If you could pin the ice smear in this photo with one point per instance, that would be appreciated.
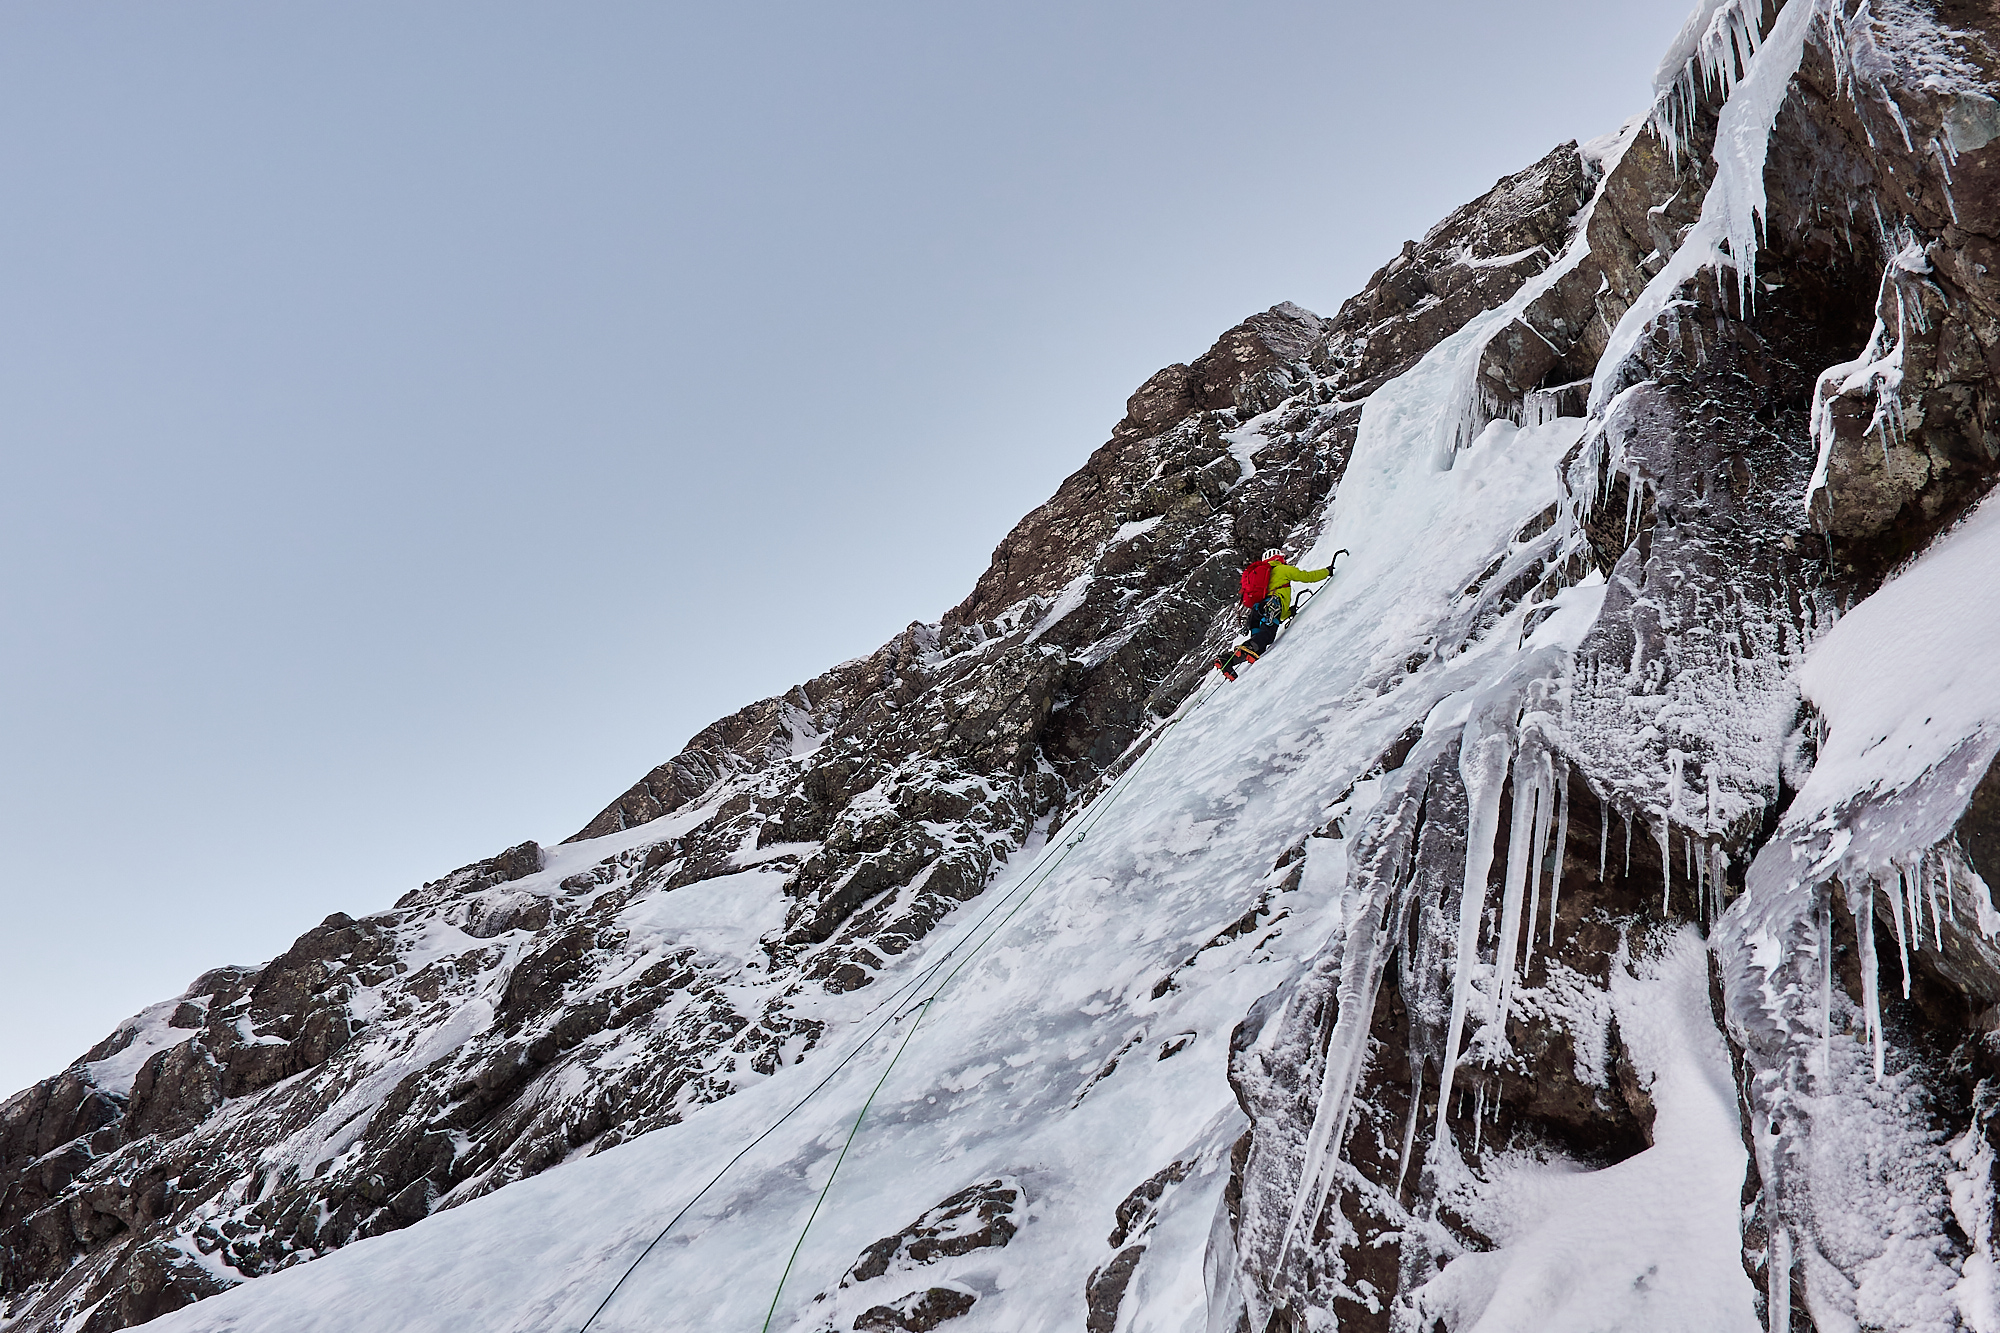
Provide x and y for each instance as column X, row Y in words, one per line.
column 1167, row 1293
column 1880, row 45
column 1876, row 816
column 1877, row 372
column 1246, row 441
column 1650, row 1242
column 1603, row 152
column 1970, row 1181
column 1069, row 600
column 1896, row 767
column 151, row 1033
column 1869, row 1258
column 725, row 915
column 1714, row 47
column 1139, row 528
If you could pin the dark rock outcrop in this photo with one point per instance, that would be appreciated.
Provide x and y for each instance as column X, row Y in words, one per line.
column 918, row 1312
column 975, row 1218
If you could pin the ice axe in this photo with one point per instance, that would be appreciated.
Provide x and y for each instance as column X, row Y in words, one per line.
column 1309, row 594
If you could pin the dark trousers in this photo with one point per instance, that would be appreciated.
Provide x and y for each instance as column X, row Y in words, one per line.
column 1263, row 631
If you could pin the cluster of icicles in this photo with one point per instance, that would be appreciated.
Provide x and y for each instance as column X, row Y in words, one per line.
column 1877, row 372
column 1720, row 40
column 1714, row 50
column 1540, row 809
column 1596, row 470
column 1914, row 892
column 1865, row 73
column 1506, row 733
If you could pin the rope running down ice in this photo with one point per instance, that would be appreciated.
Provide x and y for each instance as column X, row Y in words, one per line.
column 1094, row 816
column 894, row 1010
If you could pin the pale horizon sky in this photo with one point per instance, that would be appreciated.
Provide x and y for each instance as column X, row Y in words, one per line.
column 417, row 420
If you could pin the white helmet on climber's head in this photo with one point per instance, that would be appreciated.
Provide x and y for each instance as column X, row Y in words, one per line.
column 1277, row 553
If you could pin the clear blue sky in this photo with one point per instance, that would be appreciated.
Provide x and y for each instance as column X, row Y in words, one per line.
column 411, row 414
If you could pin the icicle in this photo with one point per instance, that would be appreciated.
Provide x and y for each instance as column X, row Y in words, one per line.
column 1779, row 1300
column 1628, row 844
column 1544, row 817
column 1478, row 1118
column 1410, row 1129
column 1532, row 895
column 1945, row 167
column 1930, row 892
column 1603, row 836
column 1913, row 898
column 1520, row 839
column 1698, row 872
column 1896, row 915
column 1562, row 842
column 1826, row 987
column 1364, row 955
column 1482, row 765
column 1666, row 864
column 1896, row 114
column 1541, row 826
column 1871, row 990
column 1718, row 874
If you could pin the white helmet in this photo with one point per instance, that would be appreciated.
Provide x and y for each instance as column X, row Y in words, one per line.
column 1276, row 553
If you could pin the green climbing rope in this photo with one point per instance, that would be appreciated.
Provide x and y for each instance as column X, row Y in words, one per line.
column 1094, row 816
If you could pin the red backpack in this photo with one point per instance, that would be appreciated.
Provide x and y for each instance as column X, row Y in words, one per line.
column 1257, row 582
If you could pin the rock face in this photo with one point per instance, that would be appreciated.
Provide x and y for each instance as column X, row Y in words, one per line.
column 979, row 1217
column 1553, row 872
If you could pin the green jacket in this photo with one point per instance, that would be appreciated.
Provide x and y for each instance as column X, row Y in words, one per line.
column 1283, row 576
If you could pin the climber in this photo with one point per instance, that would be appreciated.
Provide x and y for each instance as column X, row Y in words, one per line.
column 1267, row 592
